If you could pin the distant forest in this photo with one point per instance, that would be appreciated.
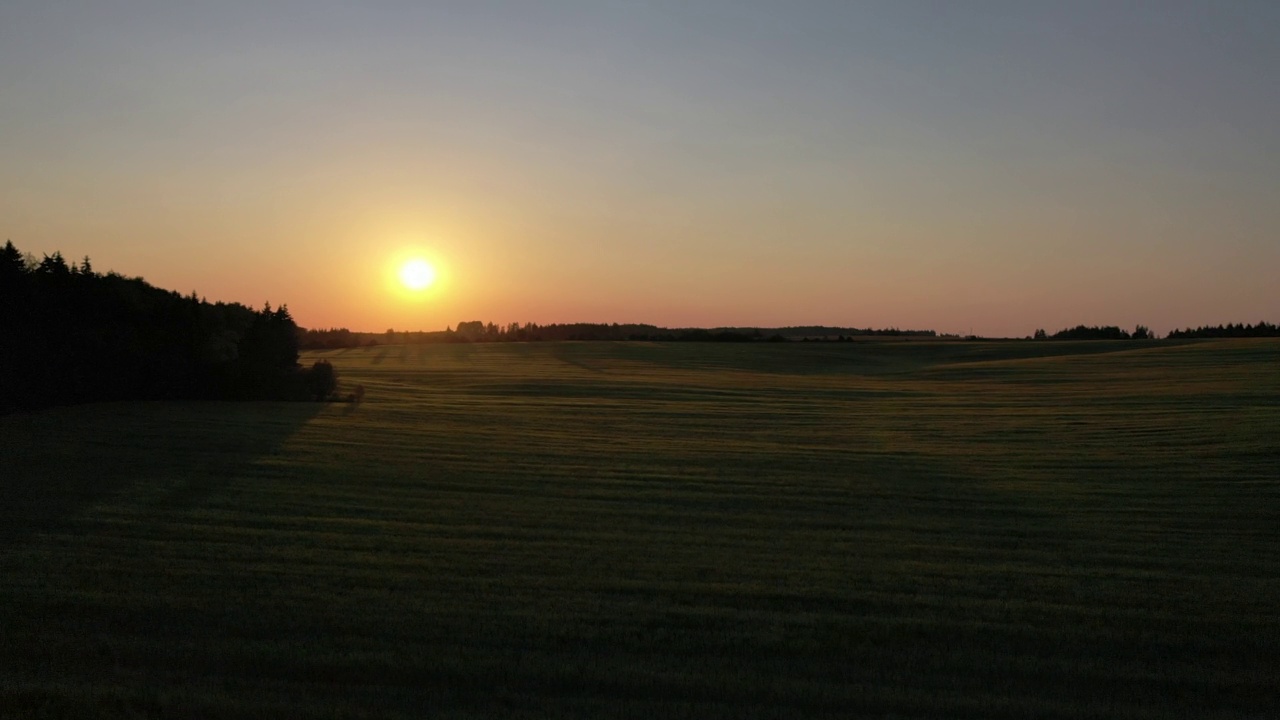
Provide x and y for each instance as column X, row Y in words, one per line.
column 1105, row 332
column 70, row 334
column 475, row 331
column 1262, row 329
column 1111, row 332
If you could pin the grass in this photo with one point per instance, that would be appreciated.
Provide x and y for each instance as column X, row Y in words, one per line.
column 981, row 530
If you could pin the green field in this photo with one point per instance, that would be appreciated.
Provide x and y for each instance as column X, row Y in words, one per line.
column 906, row 530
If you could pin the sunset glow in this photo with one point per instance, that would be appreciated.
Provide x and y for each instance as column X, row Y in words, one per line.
column 415, row 290
column 940, row 166
column 417, row 275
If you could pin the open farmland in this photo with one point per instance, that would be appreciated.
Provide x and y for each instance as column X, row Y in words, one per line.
column 982, row 530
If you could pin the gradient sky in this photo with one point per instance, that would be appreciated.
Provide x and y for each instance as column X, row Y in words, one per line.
column 985, row 166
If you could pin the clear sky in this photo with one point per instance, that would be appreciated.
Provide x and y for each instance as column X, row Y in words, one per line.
column 985, row 166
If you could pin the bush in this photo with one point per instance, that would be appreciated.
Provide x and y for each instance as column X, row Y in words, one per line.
column 321, row 380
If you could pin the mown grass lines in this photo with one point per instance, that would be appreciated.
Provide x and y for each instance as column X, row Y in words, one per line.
column 906, row 529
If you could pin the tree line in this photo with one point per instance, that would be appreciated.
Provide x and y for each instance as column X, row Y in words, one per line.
column 1142, row 332
column 71, row 334
column 1237, row 330
column 1093, row 332
column 476, row 331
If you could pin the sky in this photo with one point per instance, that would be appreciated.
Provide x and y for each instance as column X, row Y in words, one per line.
column 985, row 166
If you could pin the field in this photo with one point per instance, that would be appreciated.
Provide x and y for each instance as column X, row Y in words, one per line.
column 906, row 530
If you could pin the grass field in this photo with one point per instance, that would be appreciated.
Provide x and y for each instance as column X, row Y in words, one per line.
column 906, row 530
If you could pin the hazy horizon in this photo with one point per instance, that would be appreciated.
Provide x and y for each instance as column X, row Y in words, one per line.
column 991, row 167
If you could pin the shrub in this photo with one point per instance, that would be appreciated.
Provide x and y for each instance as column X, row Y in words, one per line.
column 322, row 380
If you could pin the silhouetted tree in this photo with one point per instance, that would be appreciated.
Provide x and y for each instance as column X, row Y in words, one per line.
column 1142, row 332
column 469, row 330
column 268, row 354
column 322, row 380
column 53, row 265
column 12, row 265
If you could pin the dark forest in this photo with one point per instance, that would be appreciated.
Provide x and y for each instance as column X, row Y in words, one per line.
column 73, row 335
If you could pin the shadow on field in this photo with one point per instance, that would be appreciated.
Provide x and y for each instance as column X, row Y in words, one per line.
column 572, row 354
column 57, row 463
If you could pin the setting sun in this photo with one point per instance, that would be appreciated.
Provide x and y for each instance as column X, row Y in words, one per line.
column 417, row 274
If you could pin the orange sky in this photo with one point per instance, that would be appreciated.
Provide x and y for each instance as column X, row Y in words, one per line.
column 739, row 163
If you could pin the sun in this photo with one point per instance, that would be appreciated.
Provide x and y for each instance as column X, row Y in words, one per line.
column 417, row 274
